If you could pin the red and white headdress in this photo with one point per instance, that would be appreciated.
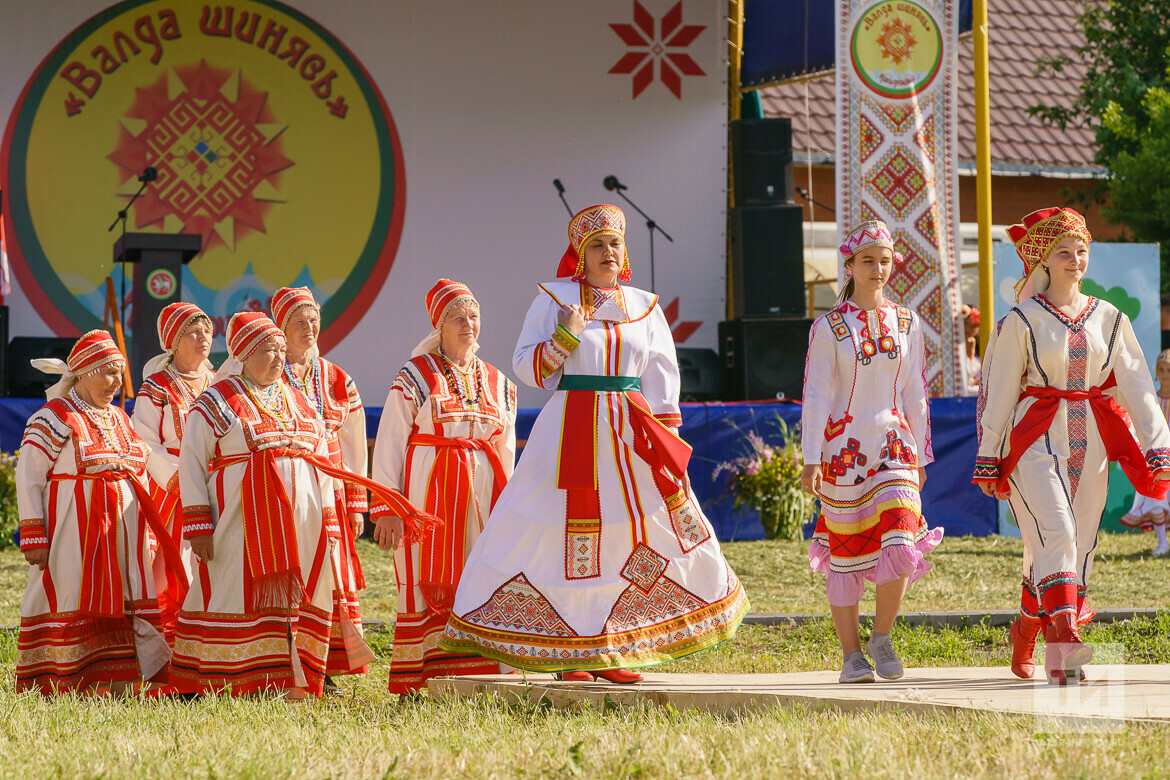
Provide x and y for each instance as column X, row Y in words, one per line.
column 440, row 298
column 247, row 330
column 173, row 321
column 286, row 300
column 92, row 351
column 867, row 234
column 1038, row 233
column 585, row 224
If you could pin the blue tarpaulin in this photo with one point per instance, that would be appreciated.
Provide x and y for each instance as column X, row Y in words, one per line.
column 717, row 431
column 787, row 39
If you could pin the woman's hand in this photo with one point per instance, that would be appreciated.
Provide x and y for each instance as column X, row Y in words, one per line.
column 203, row 548
column 357, row 523
column 38, row 557
column 989, row 490
column 1162, row 476
column 388, row 532
column 921, row 478
column 572, row 317
column 810, row 479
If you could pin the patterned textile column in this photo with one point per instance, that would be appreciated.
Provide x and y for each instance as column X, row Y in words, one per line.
column 896, row 158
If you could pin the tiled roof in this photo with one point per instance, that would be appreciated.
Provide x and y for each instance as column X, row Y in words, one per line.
column 1021, row 30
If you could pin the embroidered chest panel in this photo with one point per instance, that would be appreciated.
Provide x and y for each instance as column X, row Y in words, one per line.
column 476, row 400
column 172, row 395
column 881, row 332
column 101, row 441
column 261, row 428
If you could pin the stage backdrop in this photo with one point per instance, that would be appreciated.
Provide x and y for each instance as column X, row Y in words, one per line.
column 896, row 158
column 1126, row 275
column 362, row 150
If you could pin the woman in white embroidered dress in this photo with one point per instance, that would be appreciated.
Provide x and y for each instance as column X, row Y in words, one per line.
column 172, row 382
column 865, row 436
column 90, row 615
column 334, row 396
column 597, row 557
column 447, row 439
column 1046, row 439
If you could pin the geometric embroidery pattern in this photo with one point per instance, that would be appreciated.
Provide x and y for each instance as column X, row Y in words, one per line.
column 643, row 568
column 1077, row 411
column 870, row 138
column 837, row 323
column 665, row 600
column 688, row 526
column 900, row 179
column 518, row 606
column 847, row 458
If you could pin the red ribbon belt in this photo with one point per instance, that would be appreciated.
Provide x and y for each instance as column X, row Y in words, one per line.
column 1120, row 445
column 449, row 496
column 661, row 448
column 270, row 538
column 101, row 599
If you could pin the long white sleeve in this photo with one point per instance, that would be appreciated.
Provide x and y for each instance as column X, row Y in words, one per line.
column 661, row 382
column 195, row 455
column 148, row 423
column 1002, row 369
column 389, row 463
column 915, row 399
column 820, row 378
column 541, row 348
column 1135, row 392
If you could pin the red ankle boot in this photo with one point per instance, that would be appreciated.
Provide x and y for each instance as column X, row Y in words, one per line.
column 1066, row 652
column 1023, row 635
column 575, row 676
column 620, row 676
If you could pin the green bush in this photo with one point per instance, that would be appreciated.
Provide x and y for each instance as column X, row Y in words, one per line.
column 767, row 479
column 9, row 514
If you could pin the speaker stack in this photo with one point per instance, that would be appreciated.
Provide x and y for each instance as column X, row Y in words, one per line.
column 764, row 345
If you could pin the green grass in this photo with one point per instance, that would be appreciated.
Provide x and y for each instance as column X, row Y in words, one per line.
column 368, row 733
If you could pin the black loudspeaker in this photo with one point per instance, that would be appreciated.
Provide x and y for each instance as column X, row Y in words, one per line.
column 764, row 358
column 3, row 350
column 761, row 161
column 24, row 381
column 767, row 262
column 703, row 376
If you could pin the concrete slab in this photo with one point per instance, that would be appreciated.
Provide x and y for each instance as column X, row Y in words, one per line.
column 1113, row 694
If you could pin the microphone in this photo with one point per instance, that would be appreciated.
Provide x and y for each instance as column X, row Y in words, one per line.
column 612, row 183
column 560, row 187
column 149, row 174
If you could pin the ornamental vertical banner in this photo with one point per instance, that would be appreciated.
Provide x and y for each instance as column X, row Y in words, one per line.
column 896, row 159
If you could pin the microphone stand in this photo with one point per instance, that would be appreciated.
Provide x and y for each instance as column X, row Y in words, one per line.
column 651, row 226
column 561, row 195
column 122, row 216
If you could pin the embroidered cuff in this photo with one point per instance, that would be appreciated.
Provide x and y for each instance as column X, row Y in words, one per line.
column 1158, row 459
column 670, row 420
column 197, row 521
column 356, row 499
column 565, row 339
column 986, row 470
column 381, row 509
column 32, row 534
column 329, row 518
column 555, row 351
column 173, row 483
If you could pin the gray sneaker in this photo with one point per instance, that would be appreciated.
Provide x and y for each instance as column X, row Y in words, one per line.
column 856, row 669
column 881, row 649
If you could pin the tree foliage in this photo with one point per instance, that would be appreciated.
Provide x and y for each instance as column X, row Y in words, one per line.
column 1123, row 97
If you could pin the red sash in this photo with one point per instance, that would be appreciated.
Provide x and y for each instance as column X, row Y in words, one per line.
column 1119, row 443
column 448, row 497
column 270, row 537
column 101, row 607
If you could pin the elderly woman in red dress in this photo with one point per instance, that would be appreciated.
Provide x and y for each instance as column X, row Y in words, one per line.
column 91, row 614
column 172, row 382
column 334, row 397
column 447, row 438
column 260, row 511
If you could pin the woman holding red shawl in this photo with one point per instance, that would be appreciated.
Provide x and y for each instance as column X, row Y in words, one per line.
column 597, row 558
column 259, row 509
column 91, row 614
column 448, row 438
column 1062, row 370
column 172, row 382
column 334, row 397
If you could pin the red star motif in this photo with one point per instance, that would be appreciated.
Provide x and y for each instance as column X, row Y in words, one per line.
column 649, row 48
column 681, row 330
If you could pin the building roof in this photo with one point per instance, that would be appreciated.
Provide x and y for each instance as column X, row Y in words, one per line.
column 1021, row 31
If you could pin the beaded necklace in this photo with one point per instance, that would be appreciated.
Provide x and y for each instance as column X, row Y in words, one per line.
column 103, row 420
column 186, row 383
column 310, row 386
column 273, row 402
column 463, row 382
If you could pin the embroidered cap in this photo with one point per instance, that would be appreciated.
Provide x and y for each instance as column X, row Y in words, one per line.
column 585, row 224
column 286, row 300
column 1035, row 237
column 173, row 320
column 443, row 295
column 867, row 234
column 1163, row 357
column 247, row 330
column 92, row 351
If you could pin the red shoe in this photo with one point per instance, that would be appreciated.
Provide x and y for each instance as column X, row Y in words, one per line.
column 1023, row 635
column 1066, row 652
column 577, row 676
column 619, row 676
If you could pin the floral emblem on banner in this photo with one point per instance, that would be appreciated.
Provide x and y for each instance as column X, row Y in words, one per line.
column 661, row 46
